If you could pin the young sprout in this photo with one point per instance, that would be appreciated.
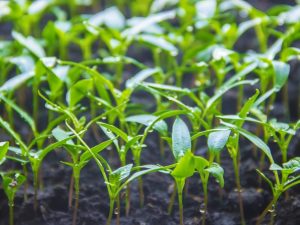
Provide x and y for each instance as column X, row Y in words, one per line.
column 288, row 180
column 11, row 182
column 188, row 163
column 282, row 134
column 181, row 148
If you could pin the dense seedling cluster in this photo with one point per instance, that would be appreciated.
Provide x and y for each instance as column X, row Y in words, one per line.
column 100, row 83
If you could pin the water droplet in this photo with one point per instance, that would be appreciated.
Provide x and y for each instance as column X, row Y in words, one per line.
column 116, row 211
column 108, row 130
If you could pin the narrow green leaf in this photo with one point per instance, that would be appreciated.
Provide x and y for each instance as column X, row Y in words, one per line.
column 30, row 43
column 3, row 150
column 111, row 128
column 254, row 139
column 145, row 119
column 96, row 149
column 181, row 139
column 282, row 71
column 140, row 76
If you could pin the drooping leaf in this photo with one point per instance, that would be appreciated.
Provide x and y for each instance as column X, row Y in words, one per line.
column 181, row 139
column 217, row 171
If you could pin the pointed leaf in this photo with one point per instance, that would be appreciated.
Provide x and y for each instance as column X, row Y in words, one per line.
column 217, row 140
column 181, row 139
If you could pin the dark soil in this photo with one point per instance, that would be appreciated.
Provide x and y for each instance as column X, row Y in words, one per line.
column 223, row 203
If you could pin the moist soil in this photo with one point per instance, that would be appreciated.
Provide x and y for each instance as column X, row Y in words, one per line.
column 93, row 207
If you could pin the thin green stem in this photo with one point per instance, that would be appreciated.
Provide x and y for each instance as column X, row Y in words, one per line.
column 205, row 193
column 36, row 187
column 111, row 211
column 270, row 207
column 77, row 190
column 11, row 212
column 239, row 189
column 180, row 186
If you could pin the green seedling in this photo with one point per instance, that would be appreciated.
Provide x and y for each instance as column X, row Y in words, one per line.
column 288, row 180
column 11, row 183
column 113, row 179
column 188, row 163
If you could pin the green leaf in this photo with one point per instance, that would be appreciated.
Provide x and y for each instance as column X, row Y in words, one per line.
column 158, row 42
column 282, row 71
column 38, row 6
column 217, row 140
column 181, row 139
column 30, row 43
column 158, row 5
column 275, row 166
column 78, row 91
column 11, row 183
column 110, row 17
column 111, row 128
column 167, row 87
column 200, row 163
column 6, row 126
column 254, row 139
column 293, row 164
column 123, row 172
column 217, row 171
column 248, row 104
column 140, row 76
column 145, row 119
column 20, row 111
column 3, row 150
column 224, row 88
column 148, row 21
column 16, row 81
column 60, row 134
column 96, row 149
column 185, row 166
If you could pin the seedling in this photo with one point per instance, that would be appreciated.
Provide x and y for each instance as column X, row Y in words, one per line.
column 11, row 183
column 279, row 186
